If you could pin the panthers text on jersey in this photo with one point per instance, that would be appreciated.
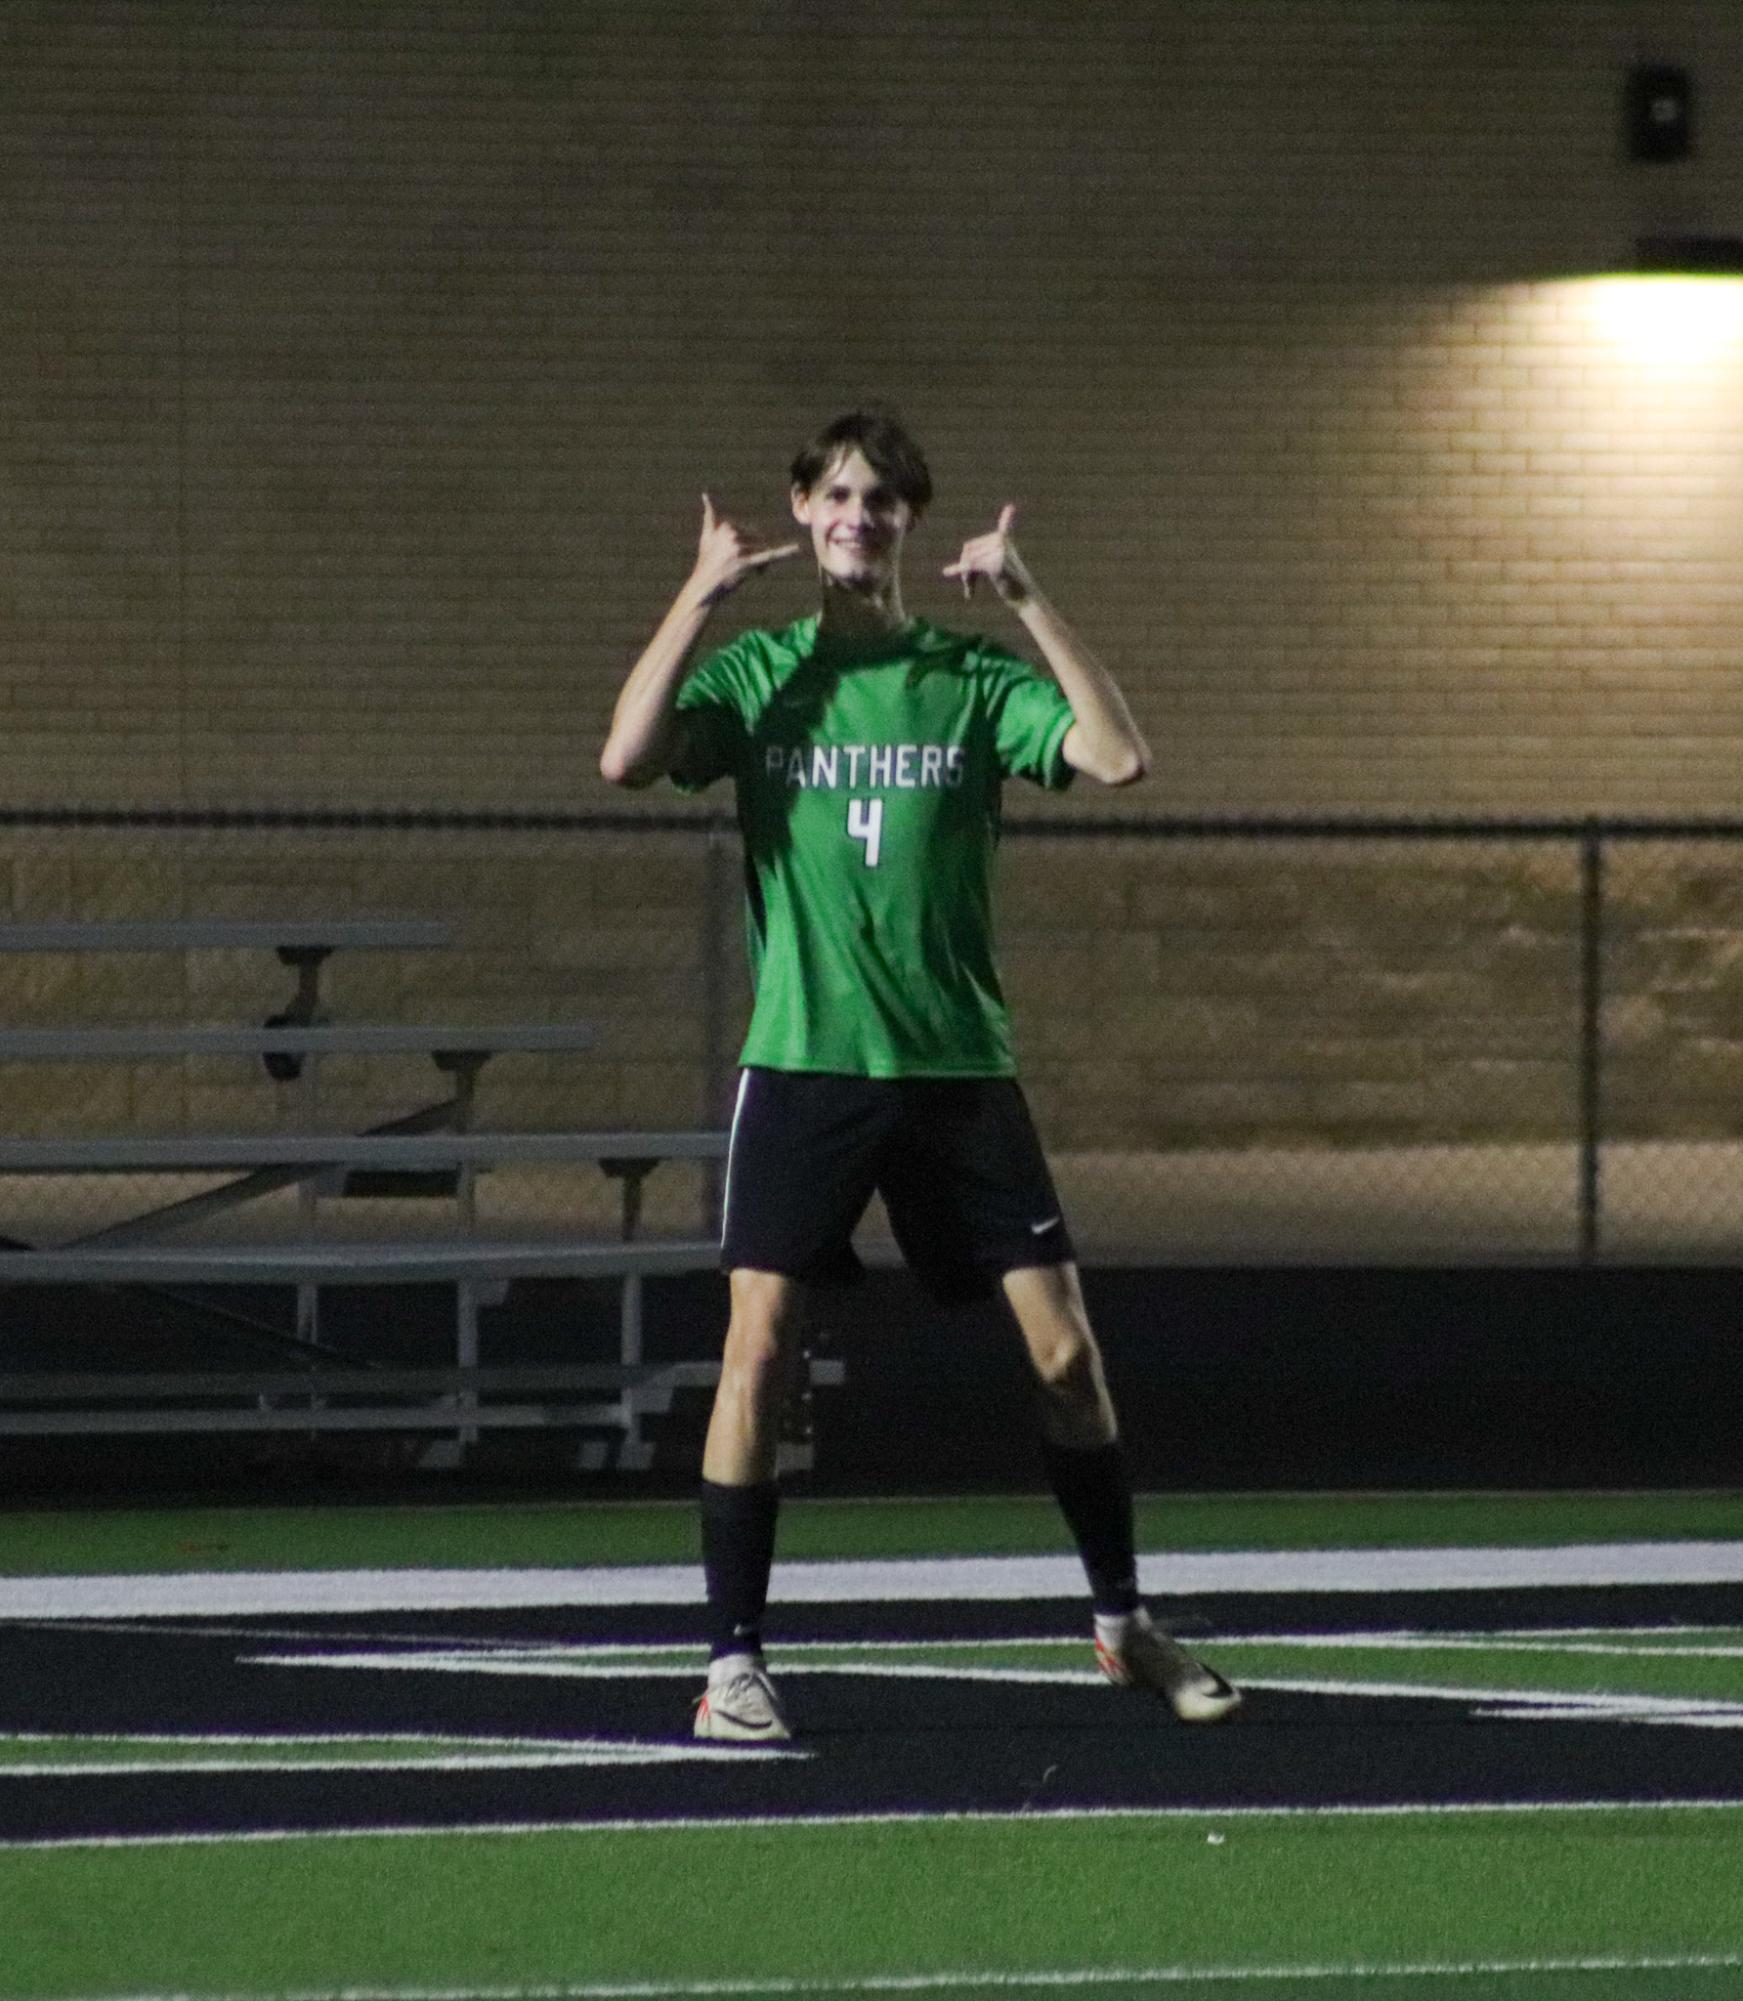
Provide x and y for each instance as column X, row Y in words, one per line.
column 868, row 788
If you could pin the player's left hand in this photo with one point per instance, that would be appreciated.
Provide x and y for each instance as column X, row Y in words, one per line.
column 995, row 558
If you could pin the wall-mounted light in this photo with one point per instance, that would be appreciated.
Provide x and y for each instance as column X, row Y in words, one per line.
column 1658, row 113
column 1668, row 323
column 1690, row 256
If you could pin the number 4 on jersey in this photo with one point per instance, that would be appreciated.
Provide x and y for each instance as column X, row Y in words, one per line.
column 865, row 822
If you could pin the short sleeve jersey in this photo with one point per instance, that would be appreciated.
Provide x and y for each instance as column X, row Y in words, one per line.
column 868, row 791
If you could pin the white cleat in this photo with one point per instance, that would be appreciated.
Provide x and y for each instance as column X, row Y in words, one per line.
column 739, row 1705
column 1133, row 1654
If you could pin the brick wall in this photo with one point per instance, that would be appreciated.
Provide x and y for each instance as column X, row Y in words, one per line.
column 360, row 366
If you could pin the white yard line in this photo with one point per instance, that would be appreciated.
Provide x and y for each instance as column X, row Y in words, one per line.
column 325, row 1752
column 1065, row 1979
column 1212, row 1817
column 958, row 1579
column 1503, row 1703
column 1621, row 1642
column 1482, row 1643
column 1515, row 1704
column 582, row 1757
column 509, row 1663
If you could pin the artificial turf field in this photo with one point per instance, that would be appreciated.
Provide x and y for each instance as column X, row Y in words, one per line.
column 1491, row 1747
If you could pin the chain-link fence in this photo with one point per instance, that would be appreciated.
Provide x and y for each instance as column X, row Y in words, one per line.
column 1244, row 1042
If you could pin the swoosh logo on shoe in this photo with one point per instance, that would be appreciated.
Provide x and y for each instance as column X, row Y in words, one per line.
column 1041, row 1229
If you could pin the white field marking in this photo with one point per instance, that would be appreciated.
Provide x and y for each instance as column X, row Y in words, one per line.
column 1513, row 1705
column 792, row 1650
column 673, row 1649
column 1215, row 1816
column 466, row 1754
column 778, row 1987
column 504, row 1660
column 954, row 1579
column 510, row 1662
column 1693, row 1715
column 1487, row 1643
column 411, row 1739
column 1581, row 1632
column 593, row 1657
column 658, row 1665
column 632, row 1650
column 1421, row 1641
column 197, row 1627
column 164, row 1768
column 1636, row 1653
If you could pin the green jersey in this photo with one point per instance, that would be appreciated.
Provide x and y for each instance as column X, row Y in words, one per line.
column 868, row 794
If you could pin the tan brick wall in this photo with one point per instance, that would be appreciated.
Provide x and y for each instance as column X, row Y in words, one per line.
column 1206, row 999
column 360, row 366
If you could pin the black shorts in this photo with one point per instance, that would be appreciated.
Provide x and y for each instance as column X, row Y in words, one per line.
column 957, row 1162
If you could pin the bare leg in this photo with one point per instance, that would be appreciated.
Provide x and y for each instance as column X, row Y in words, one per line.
column 1076, row 1411
column 762, row 1341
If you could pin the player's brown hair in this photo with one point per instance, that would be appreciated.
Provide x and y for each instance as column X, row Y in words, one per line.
column 889, row 449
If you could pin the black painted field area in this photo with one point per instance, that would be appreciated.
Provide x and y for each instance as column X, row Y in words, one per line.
column 528, row 1740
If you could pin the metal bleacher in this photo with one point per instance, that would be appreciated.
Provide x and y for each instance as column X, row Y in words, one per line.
column 325, row 1391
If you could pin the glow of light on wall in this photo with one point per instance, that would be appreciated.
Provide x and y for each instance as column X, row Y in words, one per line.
column 1667, row 323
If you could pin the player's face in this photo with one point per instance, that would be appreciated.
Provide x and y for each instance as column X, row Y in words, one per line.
column 857, row 523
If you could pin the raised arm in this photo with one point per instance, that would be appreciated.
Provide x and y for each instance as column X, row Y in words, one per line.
column 1103, row 742
column 644, row 737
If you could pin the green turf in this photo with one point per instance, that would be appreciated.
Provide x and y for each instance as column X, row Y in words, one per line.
column 831, row 1903
column 814, row 1904
column 1546, row 1670
column 74, row 1542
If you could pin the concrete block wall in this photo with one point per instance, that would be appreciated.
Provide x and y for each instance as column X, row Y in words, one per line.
column 1254, row 995
column 1189, row 992
column 360, row 368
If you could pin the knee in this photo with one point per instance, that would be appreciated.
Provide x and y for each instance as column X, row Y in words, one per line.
column 1067, row 1366
column 1074, row 1405
column 763, row 1325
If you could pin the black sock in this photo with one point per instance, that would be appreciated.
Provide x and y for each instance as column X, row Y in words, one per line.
column 738, row 1551
column 1096, row 1499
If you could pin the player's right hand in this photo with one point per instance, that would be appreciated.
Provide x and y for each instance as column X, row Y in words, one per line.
column 726, row 555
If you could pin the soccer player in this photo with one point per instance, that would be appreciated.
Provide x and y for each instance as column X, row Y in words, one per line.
column 868, row 750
